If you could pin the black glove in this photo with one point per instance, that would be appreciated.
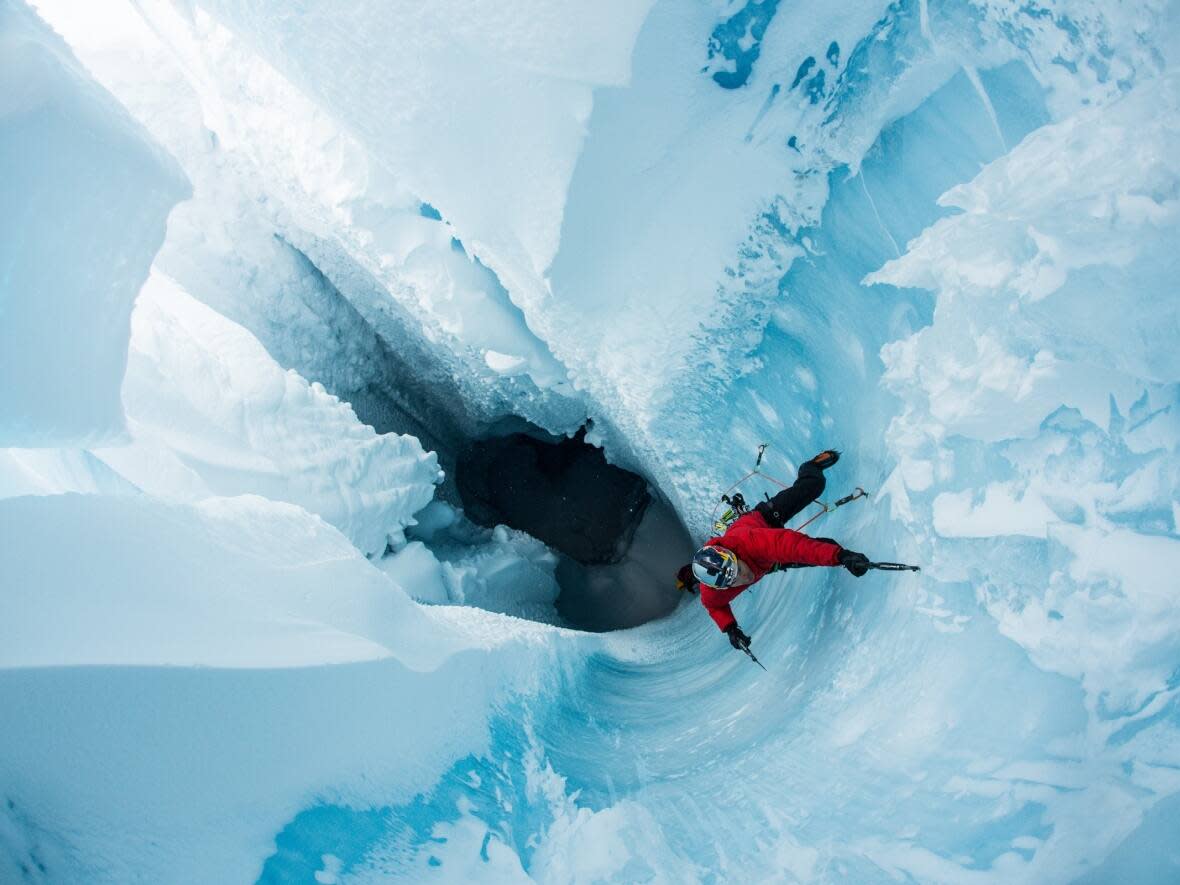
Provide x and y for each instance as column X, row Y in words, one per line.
column 737, row 638
column 857, row 563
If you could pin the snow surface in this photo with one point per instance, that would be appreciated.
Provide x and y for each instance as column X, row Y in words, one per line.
column 85, row 195
column 240, row 644
column 192, row 675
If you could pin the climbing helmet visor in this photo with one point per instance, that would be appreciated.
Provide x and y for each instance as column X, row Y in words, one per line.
column 715, row 567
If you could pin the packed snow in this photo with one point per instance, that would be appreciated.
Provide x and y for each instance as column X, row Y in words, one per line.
column 265, row 273
column 85, row 195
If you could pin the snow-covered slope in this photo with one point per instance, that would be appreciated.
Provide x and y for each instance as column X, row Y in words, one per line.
column 938, row 235
column 84, row 195
column 189, row 675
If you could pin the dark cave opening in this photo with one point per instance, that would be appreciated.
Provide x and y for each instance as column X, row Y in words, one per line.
column 620, row 544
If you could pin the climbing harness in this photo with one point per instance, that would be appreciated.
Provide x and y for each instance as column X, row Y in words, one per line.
column 736, row 506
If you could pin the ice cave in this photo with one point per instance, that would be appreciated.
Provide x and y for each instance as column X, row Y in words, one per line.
column 369, row 369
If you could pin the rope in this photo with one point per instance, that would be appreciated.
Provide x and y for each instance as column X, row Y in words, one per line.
column 824, row 508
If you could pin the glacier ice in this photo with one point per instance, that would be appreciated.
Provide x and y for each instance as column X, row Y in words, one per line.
column 205, row 399
column 240, row 638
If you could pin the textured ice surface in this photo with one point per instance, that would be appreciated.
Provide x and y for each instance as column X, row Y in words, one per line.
column 498, row 569
column 298, row 233
column 938, row 235
column 482, row 109
column 207, row 403
column 1037, row 440
column 84, row 194
column 359, row 215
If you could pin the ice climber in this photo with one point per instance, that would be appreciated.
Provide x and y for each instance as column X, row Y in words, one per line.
column 757, row 543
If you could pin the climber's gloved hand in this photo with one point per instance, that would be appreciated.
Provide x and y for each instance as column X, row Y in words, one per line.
column 857, row 563
column 826, row 459
column 737, row 638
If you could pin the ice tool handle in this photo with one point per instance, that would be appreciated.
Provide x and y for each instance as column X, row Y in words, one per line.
column 828, row 508
column 859, row 493
column 895, row 567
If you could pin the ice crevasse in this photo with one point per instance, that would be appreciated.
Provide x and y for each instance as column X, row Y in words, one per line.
column 263, row 275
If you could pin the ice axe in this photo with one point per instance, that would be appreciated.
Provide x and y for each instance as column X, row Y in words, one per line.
column 894, row 567
column 750, row 654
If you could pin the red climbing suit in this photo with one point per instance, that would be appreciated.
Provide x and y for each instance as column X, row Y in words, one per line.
column 762, row 548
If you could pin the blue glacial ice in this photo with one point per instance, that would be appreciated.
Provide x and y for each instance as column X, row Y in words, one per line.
column 248, row 635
